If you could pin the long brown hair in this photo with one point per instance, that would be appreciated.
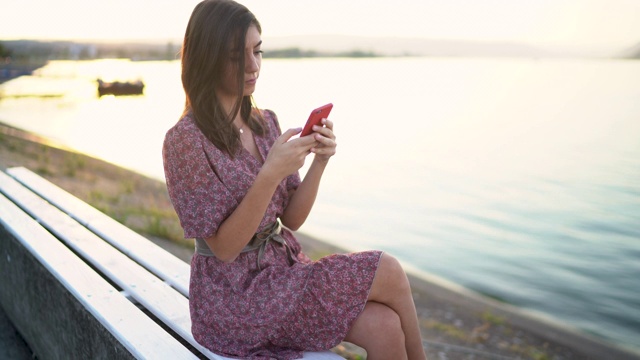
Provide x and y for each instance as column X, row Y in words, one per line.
column 215, row 28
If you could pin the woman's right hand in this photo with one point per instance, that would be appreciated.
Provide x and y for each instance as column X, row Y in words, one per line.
column 287, row 156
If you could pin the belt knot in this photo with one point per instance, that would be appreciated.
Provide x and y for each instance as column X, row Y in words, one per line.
column 259, row 242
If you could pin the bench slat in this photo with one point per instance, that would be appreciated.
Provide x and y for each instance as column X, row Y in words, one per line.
column 136, row 331
column 160, row 262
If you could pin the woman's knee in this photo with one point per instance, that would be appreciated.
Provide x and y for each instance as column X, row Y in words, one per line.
column 377, row 328
column 388, row 323
column 390, row 277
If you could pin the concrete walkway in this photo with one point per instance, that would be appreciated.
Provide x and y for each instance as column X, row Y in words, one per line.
column 12, row 346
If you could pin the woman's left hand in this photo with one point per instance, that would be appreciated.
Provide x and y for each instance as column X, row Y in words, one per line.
column 326, row 139
column 301, row 199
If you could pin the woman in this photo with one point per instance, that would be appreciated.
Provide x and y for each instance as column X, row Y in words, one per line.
column 233, row 178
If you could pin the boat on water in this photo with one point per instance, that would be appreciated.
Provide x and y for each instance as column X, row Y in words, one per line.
column 118, row 88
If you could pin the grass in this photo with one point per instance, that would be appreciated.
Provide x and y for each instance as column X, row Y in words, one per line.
column 73, row 163
column 447, row 329
column 156, row 228
column 493, row 319
column 136, row 201
column 318, row 254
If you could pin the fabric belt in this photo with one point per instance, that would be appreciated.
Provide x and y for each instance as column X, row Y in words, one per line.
column 259, row 242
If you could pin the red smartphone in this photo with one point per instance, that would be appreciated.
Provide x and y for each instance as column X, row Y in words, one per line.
column 314, row 119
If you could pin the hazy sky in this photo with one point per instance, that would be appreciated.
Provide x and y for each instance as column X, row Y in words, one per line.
column 600, row 23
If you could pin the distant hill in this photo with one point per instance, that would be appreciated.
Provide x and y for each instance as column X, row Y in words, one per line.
column 426, row 47
column 401, row 46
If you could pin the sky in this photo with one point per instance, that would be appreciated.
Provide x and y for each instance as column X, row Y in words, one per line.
column 611, row 24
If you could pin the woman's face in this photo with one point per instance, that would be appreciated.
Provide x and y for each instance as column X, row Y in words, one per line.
column 251, row 71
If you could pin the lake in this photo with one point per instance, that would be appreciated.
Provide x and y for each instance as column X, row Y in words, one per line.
column 517, row 178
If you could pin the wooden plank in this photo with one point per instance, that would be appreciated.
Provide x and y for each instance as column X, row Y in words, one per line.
column 154, row 294
column 137, row 332
column 160, row 262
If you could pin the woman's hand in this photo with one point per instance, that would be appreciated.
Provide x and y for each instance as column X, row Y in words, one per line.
column 326, row 140
column 301, row 200
column 287, row 156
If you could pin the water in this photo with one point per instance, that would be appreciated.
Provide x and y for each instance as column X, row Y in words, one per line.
column 518, row 178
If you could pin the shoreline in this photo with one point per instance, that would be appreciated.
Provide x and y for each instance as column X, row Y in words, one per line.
column 456, row 322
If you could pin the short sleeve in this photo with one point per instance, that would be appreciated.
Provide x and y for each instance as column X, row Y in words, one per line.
column 200, row 199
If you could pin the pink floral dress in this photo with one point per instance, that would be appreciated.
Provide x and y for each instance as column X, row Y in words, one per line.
column 238, row 309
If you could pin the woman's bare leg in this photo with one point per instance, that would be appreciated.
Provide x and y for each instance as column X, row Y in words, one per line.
column 378, row 330
column 391, row 288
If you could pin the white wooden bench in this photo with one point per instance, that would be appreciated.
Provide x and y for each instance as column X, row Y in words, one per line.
column 127, row 265
column 62, row 307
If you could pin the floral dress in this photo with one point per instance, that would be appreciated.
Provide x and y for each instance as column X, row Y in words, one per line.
column 248, row 309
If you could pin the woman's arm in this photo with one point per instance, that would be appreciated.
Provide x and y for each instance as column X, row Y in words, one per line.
column 235, row 232
column 302, row 199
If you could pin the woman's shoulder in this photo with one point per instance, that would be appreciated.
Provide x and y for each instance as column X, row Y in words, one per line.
column 185, row 127
column 267, row 115
column 184, row 137
column 270, row 120
column 185, row 123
